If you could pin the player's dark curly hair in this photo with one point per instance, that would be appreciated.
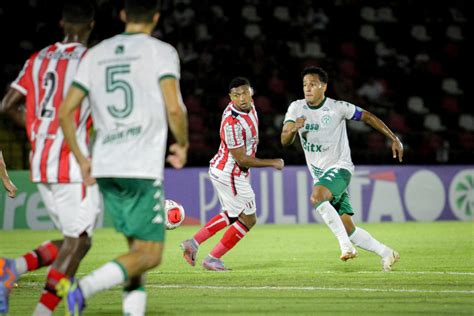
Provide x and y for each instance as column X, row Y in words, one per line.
column 323, row 75
column 141, row 11
column 78, row 11
column 238, row 81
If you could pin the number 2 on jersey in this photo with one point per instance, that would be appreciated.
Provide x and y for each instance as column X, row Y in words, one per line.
column 47, row 109
column 113, row 83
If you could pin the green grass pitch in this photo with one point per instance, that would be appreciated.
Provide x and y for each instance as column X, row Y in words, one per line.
column 285, row 270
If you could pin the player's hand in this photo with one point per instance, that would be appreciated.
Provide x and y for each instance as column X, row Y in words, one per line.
column 279, row 164
column 397, row 149
column 178, row 156
column 299, row 123
column 85, row 166
column 9, row 186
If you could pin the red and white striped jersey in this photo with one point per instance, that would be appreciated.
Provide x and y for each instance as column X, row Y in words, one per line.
column 45, row 80
column 237, row 129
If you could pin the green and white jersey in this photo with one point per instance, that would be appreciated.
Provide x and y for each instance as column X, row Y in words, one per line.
column 121, row 78
column 324, row 137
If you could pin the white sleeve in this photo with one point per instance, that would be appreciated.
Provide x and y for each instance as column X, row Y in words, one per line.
column 168, row 65
column 291, row 114
column 347, row 110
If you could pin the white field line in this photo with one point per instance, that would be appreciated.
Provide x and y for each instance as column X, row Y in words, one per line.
column 306, row 271
column 303, row 288
column 287, row 288
column 406, row 272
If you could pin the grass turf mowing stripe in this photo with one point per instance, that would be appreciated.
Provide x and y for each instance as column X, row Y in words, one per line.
column 288, row 288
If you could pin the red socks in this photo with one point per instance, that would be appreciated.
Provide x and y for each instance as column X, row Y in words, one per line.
column 213, row 226
column 49, row 298
column 231, row 237
column 42, row 256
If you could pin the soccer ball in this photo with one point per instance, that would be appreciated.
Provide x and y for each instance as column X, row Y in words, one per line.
column 174, row 213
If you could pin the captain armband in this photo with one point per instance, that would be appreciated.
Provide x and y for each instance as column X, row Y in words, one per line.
column 357, row 114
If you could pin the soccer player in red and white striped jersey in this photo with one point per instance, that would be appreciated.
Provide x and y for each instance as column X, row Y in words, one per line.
column 41, row 86
column 229, row 172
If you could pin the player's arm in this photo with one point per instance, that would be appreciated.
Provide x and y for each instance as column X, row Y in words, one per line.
column 290, row 129
column 177, row 120
column 246, row 161
column 7, row 183
column 375, row 122
column 72, row 101
column 11, row 105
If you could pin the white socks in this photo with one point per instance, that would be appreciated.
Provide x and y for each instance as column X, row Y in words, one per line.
column 107, row 276
column 42, row 310
column 334, row 222
column 20, row 265
column 361, row 238
column 134, row 302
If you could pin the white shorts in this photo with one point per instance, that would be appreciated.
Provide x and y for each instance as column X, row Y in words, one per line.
column 235, row 193
column 73, row 208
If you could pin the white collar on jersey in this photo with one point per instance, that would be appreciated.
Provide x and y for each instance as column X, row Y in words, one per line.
column 240, row 112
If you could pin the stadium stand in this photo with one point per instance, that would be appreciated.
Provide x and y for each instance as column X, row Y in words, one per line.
column 403, row 60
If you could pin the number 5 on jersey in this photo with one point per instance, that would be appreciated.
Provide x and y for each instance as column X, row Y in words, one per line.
column 113, row 83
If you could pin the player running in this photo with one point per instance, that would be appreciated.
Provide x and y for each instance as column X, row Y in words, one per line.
column 230, row 176
column 321, row 125
column 132, row 82
column 72, row 207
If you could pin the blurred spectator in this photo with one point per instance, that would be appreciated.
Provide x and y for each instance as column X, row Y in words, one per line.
column 405, row 61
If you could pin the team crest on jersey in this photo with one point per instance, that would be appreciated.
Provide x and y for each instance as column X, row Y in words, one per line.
column 326, row 120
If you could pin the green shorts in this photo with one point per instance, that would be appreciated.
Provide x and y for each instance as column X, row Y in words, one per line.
column 337, row 180
column 136, row 206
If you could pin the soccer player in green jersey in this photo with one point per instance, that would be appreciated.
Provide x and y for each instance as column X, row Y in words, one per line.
column 132, row 82
column 320, row 123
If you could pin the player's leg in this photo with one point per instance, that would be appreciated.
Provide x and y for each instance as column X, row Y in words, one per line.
column 332, row 184
column 42, row 256
column 76, row 209
column 363, row 239
column 12, row 269
column 143, row 256
column 190, row 246
column 138, row 212
column 240, row 198
column 134, row 294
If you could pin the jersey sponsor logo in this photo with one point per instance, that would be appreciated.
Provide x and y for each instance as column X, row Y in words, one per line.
column 311, row 127
column 59, row 55
column 314, row 148
column 122, row 135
